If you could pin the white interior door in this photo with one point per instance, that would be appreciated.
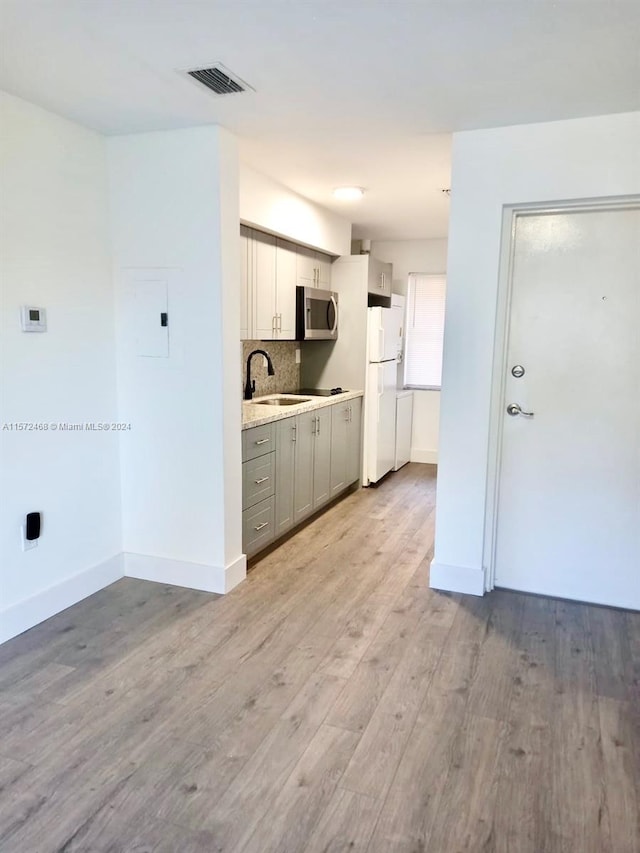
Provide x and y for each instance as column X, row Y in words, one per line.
column 569, row 493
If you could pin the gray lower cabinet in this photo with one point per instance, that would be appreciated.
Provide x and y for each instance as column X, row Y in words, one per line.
column 294, row 466
column 345, row 444
column 322, row 458
column 354, row 441
column 258, row 478
column 312, row 476
column 257, row 526
column 339, row 441
column 303, row 467
column 257, row 441
column 258, row 488
column 285, row 465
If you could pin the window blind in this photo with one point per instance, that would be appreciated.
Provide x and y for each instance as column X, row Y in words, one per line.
column 425, row 328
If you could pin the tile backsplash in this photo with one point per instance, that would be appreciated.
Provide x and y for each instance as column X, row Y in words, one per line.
column 283, row 356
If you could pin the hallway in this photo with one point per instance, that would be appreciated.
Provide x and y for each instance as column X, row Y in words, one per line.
column 331, row 702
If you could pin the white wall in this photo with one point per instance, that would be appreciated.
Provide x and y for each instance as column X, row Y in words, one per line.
column 272, row 207
column 579, row 159
column 426, row 256
column 55, row 254
column 174, row 198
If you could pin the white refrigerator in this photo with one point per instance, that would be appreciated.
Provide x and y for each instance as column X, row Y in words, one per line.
column 380, row 401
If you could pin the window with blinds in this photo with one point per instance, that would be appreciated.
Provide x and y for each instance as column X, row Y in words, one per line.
column 424, row 331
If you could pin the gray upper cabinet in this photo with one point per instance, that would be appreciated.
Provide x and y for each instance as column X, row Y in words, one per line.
column 379, row 278
column 286, row 259
column 263, row 287
column 245, row 273
column 268, row 287
column 285, row 461
column 313, row 269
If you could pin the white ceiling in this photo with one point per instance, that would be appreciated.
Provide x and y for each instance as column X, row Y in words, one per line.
column 362, row 92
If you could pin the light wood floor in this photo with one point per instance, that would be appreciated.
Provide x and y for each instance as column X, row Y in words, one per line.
column 330, row 703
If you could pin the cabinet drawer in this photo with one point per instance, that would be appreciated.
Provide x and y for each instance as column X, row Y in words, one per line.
column 257, row 479
column 256, row 441
column 258, row 526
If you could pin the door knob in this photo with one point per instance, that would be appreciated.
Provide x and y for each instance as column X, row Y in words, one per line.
column 514, row 409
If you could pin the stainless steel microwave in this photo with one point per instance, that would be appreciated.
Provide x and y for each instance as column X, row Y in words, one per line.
column 316, row 315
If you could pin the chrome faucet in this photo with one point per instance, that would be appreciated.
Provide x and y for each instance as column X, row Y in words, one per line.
column 250, row 387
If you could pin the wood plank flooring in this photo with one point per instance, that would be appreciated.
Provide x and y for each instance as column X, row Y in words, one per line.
column 330, row 703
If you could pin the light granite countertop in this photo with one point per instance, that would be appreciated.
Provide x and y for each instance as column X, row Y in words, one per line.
column 254, row 415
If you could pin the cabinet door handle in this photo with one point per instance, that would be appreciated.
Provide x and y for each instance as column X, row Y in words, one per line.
column 318, row 422
column 262, row 441
column 260, row 526
column 261, row 480
column 294, row 432
column 350, row 414
column 280, row 322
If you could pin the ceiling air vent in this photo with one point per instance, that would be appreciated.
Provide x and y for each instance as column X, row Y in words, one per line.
column 219, row 79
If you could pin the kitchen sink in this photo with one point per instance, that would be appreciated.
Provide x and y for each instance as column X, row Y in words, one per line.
column 282, row 401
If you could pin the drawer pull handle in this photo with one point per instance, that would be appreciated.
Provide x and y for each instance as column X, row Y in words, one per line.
column 261, row 480
column 260, row 526
column 263, row 441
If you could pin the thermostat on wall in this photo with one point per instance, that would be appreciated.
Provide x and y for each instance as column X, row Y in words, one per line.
column 33, row 319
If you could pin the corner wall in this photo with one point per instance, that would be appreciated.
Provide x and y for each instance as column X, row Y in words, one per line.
column 54, row 253
column 426, row 256
column 174, row 198
column 582, row 159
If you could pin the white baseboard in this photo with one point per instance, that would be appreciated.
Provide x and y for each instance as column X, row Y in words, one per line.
column 25, row 614
column 235, row 572
column 219, row 579
column 456, row 578
column 428, row 456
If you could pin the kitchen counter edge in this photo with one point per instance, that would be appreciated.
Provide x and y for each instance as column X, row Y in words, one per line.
column 254, row 415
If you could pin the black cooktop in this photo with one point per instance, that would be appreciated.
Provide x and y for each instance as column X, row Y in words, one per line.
column 322, row 392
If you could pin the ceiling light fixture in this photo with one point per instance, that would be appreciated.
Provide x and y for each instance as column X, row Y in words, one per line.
column 348, row 193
